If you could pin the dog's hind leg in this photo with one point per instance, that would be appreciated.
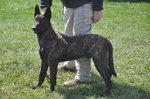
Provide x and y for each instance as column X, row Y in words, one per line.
column 53, row 74
column 101, row 64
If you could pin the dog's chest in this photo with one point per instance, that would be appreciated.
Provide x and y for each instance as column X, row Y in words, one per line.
column 45, row 48
column 41, row 49
column 42, row 46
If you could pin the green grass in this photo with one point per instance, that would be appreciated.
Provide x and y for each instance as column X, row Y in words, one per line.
column 126, row 25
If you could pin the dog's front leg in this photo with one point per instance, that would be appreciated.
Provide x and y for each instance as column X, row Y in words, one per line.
column 53, row 74
column 43, row 73
column 44, row 67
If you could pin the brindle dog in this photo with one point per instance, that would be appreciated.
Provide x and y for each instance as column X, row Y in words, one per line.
column 56, row 47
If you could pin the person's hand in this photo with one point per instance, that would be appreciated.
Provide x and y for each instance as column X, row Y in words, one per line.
column 97, row 15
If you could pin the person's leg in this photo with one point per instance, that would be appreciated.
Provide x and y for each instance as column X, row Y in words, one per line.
column 83, row 19
column 68, row 22
column 82, row 25
column 83, row 66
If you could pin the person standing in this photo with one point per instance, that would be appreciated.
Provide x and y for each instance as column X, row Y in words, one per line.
column 79, row 16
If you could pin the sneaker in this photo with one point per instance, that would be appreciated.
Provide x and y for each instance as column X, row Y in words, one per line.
column 64, row 68
column 74, row 83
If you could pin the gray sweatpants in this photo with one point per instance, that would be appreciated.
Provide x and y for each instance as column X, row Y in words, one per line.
column 78, row 21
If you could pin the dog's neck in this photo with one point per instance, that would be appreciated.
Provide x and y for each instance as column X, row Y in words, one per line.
column 48, row 34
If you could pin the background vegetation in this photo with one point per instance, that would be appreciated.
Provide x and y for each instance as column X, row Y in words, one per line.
column 130, row 0
column 126, row 25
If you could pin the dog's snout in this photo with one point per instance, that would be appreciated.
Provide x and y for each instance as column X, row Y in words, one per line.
column 34, row 27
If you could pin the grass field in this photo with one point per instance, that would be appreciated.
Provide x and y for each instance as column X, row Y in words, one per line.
column 126, row 25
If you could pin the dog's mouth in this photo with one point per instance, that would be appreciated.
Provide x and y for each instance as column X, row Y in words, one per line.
column 35, row 29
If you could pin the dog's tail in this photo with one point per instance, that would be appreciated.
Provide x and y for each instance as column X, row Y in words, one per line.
column 110, row 60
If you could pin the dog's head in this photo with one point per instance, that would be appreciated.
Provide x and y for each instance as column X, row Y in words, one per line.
column 41, row 21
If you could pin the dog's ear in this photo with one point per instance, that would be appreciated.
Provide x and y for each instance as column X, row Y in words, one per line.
column 47, row 13
column 37, row 11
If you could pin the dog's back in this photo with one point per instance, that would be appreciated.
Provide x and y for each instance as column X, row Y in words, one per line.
column 81, row 46
column 90, row 46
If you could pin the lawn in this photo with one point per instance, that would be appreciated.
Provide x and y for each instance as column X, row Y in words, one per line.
column 126, row 25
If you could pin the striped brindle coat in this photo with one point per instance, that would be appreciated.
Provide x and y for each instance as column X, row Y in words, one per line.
column 56, row 47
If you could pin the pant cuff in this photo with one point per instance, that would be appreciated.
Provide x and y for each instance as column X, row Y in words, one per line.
column 83, row 79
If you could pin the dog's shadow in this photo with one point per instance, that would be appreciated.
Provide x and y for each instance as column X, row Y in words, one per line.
column 97, row 89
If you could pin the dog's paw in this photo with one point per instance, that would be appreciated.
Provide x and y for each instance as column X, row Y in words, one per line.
column 48, row 76
column 33, row 87
column 107, row 92
column 50, row 90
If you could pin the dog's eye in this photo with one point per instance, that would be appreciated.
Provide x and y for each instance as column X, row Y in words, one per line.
column 37, row 18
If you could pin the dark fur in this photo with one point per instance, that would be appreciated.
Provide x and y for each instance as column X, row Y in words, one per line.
column 56, row 47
